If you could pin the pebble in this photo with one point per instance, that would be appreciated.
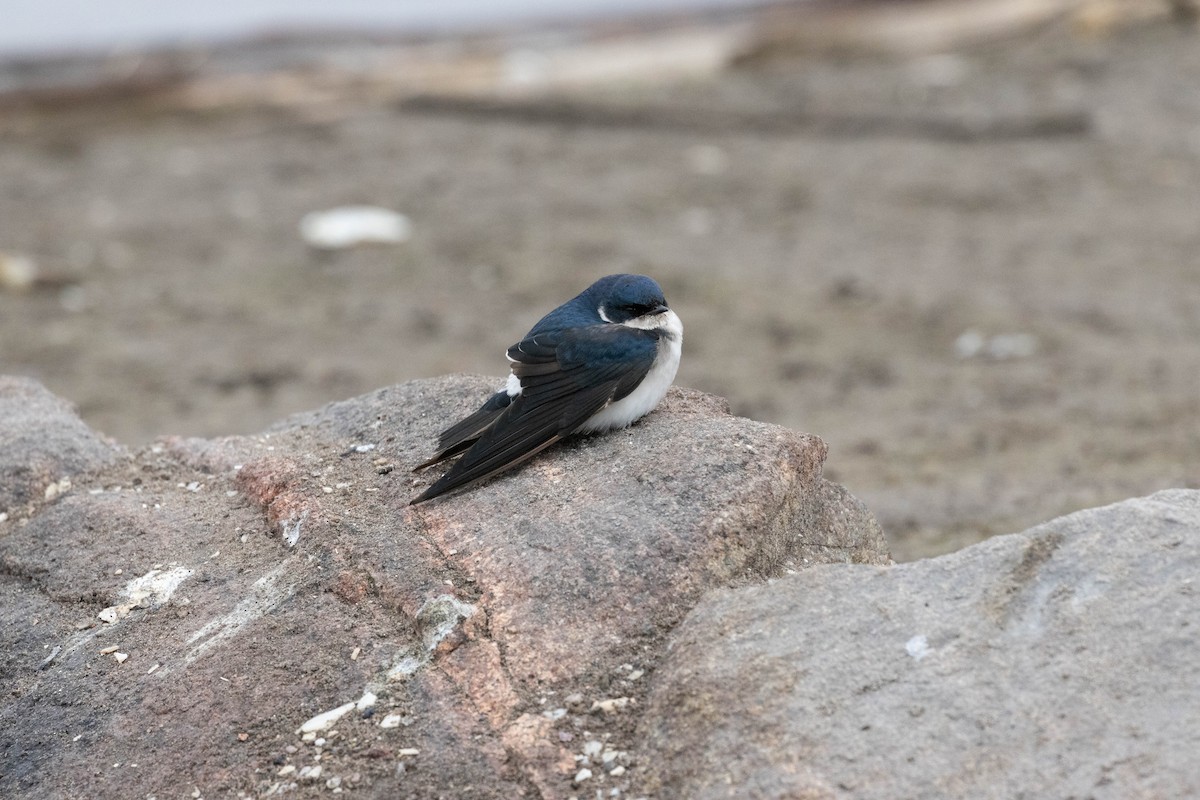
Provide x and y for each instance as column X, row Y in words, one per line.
column 390, row 721
column 617, row 771
column 310, row 773
column 110, row 649
column 286, row 770
column 326, row 719
column 57, row 488
column 408, row 751
column 120, row 657
column 17, row 272
column 347, row 226
column 1001, row 347
column 592, row 748
column 610, row 705
column 582, row 775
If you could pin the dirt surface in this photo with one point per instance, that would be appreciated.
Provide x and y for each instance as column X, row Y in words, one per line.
column 828, row 229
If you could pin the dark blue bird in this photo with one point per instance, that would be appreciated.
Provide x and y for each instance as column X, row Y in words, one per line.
column 600, row 361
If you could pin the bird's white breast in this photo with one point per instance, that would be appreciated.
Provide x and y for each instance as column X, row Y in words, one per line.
column 650, row 392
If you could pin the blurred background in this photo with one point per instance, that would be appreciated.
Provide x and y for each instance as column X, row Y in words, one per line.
column 958, row 239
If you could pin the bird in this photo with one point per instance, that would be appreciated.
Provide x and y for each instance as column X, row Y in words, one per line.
column 599, row 362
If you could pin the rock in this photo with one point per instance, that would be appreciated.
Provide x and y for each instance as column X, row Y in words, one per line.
column 347, row 226
column 42, row 441
column 467, row 614
column 1062, row 661
column 18, row 272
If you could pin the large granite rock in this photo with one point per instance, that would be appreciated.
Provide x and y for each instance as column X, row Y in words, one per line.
column 1060, row 662
column 41, row 441
column 251, row 616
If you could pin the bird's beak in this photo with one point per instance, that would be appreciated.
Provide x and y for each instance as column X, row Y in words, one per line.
column 659, row 309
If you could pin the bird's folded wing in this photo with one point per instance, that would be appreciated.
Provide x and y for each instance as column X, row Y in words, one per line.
column 566, row 377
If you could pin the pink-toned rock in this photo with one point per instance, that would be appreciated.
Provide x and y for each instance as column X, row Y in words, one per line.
column 243, row 573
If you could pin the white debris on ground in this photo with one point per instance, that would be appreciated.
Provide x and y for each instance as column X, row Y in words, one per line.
column 58, row 488
column 18, row 272
column 291, row 528
column 917, row 647
column 325, row 720
column 1001, row 347
column 348, row 226
column 437, row 618
column 151, row 590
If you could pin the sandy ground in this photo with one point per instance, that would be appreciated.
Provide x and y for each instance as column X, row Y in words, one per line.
column 845, row 239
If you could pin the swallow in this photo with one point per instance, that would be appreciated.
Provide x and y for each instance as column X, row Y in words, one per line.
column 599, row 362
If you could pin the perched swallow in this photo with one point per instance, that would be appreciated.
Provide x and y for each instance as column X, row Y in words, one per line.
column 598, row 362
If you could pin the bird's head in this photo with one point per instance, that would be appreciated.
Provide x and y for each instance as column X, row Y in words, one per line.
column 621, row 298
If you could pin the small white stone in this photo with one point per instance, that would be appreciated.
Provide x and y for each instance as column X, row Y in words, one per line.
column 368, row 698
column 120, row 657
column 390, row 721
column 592, row 748
column 610, row 705
column 582, row 775
column 917, row 647
column 347, row 226
column 18, row 272
column 286, row 769
column 408, row 751
column 617, row 771
column 326, row 719
column 969, row 344
column 108, row 615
